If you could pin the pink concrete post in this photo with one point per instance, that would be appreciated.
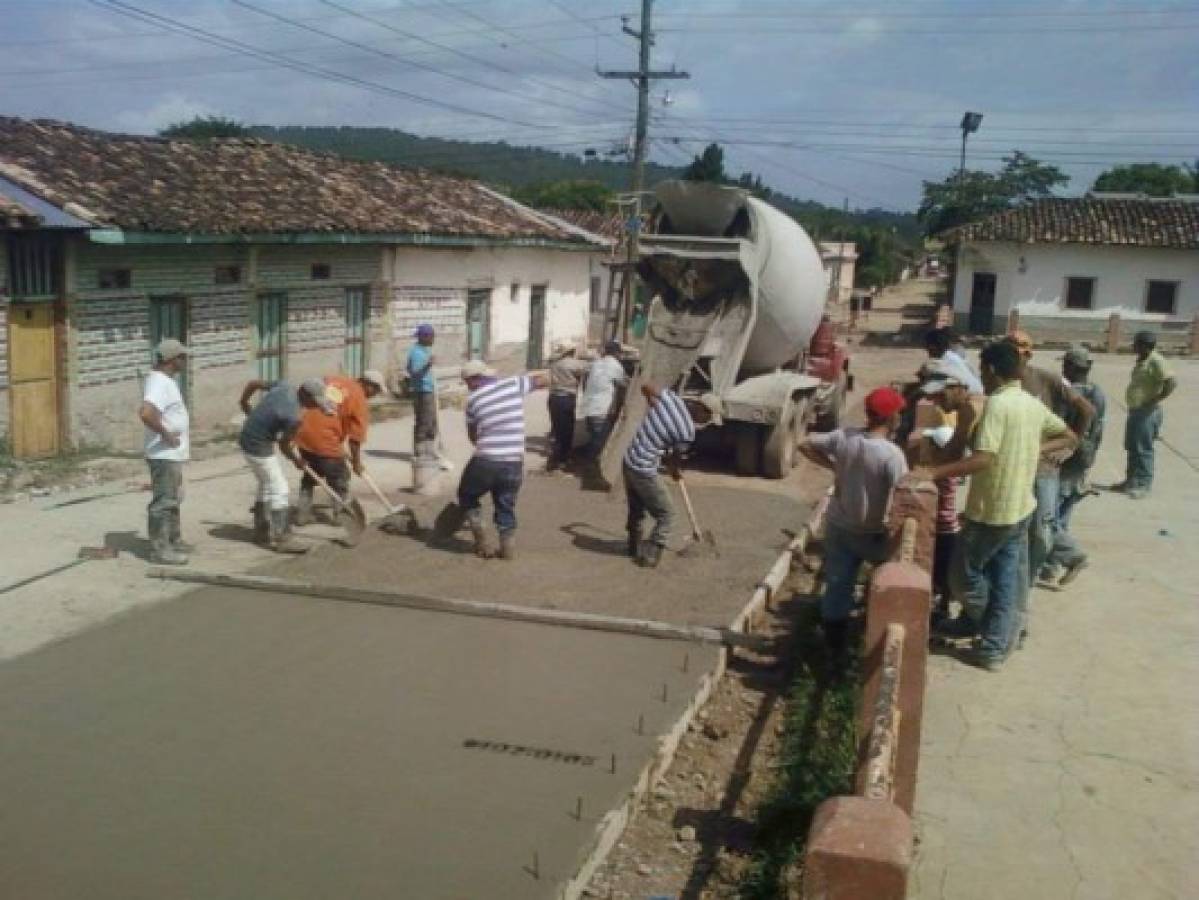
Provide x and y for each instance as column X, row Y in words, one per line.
column 1113, row 333
column 916, row 500
column 858, row 849
column 900, row 592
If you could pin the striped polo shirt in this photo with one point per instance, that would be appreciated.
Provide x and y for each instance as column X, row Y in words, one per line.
column 666, row 426
column 497, row 413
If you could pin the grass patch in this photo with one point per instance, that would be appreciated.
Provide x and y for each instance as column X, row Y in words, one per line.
column 816, row 760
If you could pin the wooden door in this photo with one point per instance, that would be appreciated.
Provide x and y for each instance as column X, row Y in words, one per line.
column 536, row 354
column 982, row 303
column 271, row 337
column 33, row 380
column 356, row 324
column 477, row 302
column 168, row 319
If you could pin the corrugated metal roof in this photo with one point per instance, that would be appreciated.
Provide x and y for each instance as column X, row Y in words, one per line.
column 22, row 209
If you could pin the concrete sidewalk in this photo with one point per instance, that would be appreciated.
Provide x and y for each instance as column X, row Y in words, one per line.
column 1074, row 772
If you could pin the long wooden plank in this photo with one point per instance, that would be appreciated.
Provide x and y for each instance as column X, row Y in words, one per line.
column 589, row 621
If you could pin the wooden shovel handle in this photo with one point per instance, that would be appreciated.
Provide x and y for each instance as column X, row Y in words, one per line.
column 695, row 529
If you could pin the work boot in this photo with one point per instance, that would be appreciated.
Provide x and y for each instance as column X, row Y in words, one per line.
column 262, row 525
column 651, row 555
column 303, row 514
column 162, row 552
column 483, row 547
column 1072, row 571
column 451, row 518
column 593, row 478
column 176, row 532
column 508, row 545
column 282, row 540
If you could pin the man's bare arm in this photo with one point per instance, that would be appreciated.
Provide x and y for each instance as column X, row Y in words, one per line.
column 151, row 417
column 811, row 453
column 252, row 387
column 978, row 461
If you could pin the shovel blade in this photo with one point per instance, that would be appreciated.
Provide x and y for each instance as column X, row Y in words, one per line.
column 354, row 522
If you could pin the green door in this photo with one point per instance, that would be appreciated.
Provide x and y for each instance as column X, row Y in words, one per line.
column 356, row 315
column 477, row 302
column 168, row 319
column 271, row 335
column 536, row 355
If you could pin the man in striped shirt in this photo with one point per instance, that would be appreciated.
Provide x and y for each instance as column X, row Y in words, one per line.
column 666, row 431
column 495, row 422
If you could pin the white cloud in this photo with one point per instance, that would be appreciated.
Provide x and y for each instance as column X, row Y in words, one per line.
column 172, row 108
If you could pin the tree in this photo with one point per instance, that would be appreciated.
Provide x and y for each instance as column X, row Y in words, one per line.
column 1153, row 179
column 708, row 166
column 203, row 128
column 567, row 194
column 969, row 196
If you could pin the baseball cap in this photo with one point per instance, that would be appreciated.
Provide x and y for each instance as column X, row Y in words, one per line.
column 476, row 368
column 169, row 349
column 423, row 329
column 883, row 402
column 1078, row 356
column 712, row 404
column 315, row 388
column 375, row 377
column 1021, row 339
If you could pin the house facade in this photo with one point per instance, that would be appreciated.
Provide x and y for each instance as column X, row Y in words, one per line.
column 1065, row 267
column 840, row 260
column 269, row 261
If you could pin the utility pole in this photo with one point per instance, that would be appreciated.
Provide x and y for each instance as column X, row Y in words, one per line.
column 641, row 79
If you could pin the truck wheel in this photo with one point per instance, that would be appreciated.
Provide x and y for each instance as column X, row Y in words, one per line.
column 829, row 418
column 747, row 449
column 778, row 456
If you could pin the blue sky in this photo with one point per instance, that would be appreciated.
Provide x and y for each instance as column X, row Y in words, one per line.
column 824, row 100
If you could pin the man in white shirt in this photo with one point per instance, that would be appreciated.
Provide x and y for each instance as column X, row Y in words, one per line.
column 599, row 394
column 168, row 447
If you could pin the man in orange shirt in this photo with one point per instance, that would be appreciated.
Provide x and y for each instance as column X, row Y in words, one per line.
column 321, row 439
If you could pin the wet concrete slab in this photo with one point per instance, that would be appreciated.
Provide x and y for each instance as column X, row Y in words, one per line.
column 234, row 744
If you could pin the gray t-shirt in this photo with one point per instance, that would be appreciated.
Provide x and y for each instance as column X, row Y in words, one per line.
column 866, row 470
column 276, row 416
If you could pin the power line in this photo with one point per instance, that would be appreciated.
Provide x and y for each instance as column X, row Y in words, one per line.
column 261, row 54
column 859, row 14
column 977, row 32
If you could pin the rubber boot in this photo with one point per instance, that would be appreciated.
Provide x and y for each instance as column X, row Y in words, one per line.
column 176, row 531
column 651, row 555
column 451, row 518
column 262, row 525
column 633, row 544
column 593, row 477
column 303, row 514
column 508, row 545
column 282, row 540
column 160, row 538
column 478, row 530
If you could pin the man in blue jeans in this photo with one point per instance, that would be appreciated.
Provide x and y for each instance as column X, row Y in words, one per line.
column 1150, row 384
column 990, row 571
column 495, row 422
column 866, row 467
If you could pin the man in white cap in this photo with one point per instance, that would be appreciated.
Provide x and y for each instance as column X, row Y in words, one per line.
column 566, row 374
column 167, row 447
column 495, row 423
column 322, row 440
column 275, row 421
column 665, row 433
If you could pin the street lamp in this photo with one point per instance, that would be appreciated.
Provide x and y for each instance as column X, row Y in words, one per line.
column 970, row 123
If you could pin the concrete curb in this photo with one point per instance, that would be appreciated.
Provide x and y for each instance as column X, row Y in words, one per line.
column 614, row 822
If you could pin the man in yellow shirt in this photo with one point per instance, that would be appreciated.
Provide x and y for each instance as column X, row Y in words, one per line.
column 1150, row 384
column 991, row 565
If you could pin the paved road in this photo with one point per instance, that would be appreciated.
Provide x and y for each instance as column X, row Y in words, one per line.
column 1074, row 773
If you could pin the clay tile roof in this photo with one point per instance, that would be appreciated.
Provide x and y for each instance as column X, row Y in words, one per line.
column 1139, row 222
column 240, row 186
column 13, row 215
column 608, row 224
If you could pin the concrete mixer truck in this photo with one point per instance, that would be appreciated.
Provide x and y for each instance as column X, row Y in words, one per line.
column 738, row 310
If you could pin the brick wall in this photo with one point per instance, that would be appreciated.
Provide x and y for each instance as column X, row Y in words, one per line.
column 442, row 307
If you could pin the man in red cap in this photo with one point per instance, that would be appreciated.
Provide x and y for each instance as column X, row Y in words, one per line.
column 866, row 466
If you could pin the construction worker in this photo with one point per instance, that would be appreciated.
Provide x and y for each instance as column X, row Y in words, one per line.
column 1067, row 559
column 322, row 439
column 167, row 447
column 423, row 385
column 663, row 436
column 495, row 423
column 566, row 375
column 1151, row 382
column 866, row 466
column 604, row 377
column 275, row 421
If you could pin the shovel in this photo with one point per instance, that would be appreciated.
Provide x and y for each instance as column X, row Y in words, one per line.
column 703, row 542
column 399, row 519
column 356, row 523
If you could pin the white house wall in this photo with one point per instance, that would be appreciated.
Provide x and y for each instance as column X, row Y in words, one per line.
column 431, row 285
column 1032, row 278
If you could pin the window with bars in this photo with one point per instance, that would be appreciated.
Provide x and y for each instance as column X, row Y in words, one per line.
column 34, row 266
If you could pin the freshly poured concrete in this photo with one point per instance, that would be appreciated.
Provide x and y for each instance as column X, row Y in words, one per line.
column 250, row 745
